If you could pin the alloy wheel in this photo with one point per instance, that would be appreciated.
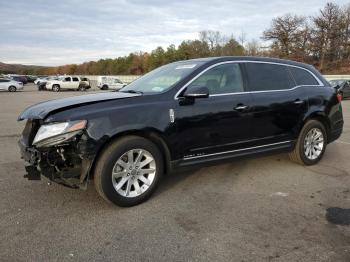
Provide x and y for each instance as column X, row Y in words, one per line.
column 134, row 173
column 313, row 143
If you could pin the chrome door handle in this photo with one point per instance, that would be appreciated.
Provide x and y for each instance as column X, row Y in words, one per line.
column 241, row 107
column 299, row 102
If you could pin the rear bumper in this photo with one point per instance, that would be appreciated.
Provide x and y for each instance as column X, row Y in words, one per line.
column 334, row 135
column 336, row 131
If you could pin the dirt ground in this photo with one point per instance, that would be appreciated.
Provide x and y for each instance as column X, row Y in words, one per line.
column 262, row 209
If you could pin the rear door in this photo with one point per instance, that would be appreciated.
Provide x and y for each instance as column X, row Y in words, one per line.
column 279, row 105
column 117, row 84
column 75, row 82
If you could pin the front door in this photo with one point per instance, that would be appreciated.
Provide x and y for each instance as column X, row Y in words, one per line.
column 220, row 123
column 67, row 83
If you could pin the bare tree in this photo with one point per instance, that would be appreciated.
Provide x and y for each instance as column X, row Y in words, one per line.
column 252, row 48
column 327, row 33
column 242, row 38
column 213, row 38
column 286, row 33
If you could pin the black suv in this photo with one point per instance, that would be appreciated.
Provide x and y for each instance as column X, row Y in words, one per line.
column 181, row 114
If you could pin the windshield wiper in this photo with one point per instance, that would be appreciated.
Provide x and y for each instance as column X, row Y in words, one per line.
column 132, row 91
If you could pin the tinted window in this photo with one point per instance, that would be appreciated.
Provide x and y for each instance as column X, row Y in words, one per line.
column 75, row 79
column 302, row 77
column 4, row 80
column 68, row 79
column 263, row 77
column 226, row 78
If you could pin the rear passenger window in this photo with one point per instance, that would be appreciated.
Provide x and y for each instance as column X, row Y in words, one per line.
column 263, row 77
column 302, row 77
column 75, row 79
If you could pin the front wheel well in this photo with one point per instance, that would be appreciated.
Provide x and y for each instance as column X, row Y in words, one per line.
column 153, row 136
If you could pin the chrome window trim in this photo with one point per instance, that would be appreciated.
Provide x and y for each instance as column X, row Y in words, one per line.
column 236, row 150
column 320, row 84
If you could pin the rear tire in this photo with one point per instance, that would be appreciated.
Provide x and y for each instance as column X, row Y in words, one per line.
column 311, row 144
column 82, row 88
column 56, row 88
column 124, row 162
column 12, row 89
column 105, row 87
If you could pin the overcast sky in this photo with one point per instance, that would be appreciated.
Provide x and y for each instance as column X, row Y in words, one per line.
column 73, row 31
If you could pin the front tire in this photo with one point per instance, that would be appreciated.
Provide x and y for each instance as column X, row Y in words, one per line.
column 128, row 171
column 311, row 144
column 56, row 88
column 12, row 89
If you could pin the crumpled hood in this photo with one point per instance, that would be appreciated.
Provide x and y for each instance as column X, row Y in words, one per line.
column 41, row 110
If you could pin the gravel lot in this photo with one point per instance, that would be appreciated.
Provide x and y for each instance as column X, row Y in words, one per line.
column 262, row 209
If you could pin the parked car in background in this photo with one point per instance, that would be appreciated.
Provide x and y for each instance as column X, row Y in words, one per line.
column 10, row 85
column 185, row 113
column 41, row 83
column 84, row 83
column 343, row 86
column 19, row 78
column 109, row 82
column 41, row 79
column 31, row 78
column 67, row 82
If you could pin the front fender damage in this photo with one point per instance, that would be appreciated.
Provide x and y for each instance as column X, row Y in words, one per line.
column 67, row 164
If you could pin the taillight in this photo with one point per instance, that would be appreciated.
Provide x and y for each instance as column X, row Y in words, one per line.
column 339, row 97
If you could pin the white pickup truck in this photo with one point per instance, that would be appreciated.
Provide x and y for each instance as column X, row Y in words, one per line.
column 109, row 82
column 68, row 82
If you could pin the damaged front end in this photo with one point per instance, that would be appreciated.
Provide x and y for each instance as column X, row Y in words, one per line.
column 62, row 152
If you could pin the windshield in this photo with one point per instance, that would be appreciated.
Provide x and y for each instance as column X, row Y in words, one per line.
column 162, row 78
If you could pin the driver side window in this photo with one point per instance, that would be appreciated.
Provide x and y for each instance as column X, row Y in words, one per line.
column 222, row 79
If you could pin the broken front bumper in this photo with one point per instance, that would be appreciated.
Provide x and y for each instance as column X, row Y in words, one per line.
column 68, row 164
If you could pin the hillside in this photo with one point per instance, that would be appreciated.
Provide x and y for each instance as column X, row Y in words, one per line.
column 21, row 69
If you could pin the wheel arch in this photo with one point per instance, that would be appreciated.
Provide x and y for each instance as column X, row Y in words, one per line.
column 321, row 117
column 11, row 86
column 150, row 134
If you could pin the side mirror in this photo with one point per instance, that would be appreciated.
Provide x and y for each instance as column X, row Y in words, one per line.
column 197, row 92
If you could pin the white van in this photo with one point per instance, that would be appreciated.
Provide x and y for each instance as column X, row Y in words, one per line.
column 109, row 82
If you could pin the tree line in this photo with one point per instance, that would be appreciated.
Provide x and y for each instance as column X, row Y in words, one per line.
column 210, row 43
column 322, row 40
